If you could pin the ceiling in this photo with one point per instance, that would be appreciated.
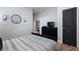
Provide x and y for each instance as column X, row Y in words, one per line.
column 40, row 9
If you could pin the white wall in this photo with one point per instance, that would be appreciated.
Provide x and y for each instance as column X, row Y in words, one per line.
column 48, row 15
column 10, row 30
column 78, row 27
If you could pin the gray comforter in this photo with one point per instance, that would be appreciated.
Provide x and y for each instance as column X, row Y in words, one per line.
column 29, row 43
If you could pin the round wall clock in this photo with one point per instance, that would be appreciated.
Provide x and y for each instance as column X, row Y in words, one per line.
column 16, row 19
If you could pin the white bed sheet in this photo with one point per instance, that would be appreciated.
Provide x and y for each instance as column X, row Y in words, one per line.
column 29, row 43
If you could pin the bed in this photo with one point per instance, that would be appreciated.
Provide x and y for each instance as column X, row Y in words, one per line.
column 29, row 42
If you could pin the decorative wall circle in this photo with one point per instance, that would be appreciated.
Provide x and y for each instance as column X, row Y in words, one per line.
column 4, row 17
column 16, row 19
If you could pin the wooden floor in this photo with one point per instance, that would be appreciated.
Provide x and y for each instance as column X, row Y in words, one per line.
column 64, row 47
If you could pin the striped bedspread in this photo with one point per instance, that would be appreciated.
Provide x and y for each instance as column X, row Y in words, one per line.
column 29, row 43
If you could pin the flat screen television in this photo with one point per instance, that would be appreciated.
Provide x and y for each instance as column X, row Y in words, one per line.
column 50, row 24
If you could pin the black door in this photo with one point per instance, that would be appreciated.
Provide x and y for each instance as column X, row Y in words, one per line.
column 69, row 26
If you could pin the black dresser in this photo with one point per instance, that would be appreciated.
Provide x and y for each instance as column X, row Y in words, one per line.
column 49, row 31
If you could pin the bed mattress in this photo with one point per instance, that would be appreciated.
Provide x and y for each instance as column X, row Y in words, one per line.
column 29, row 43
